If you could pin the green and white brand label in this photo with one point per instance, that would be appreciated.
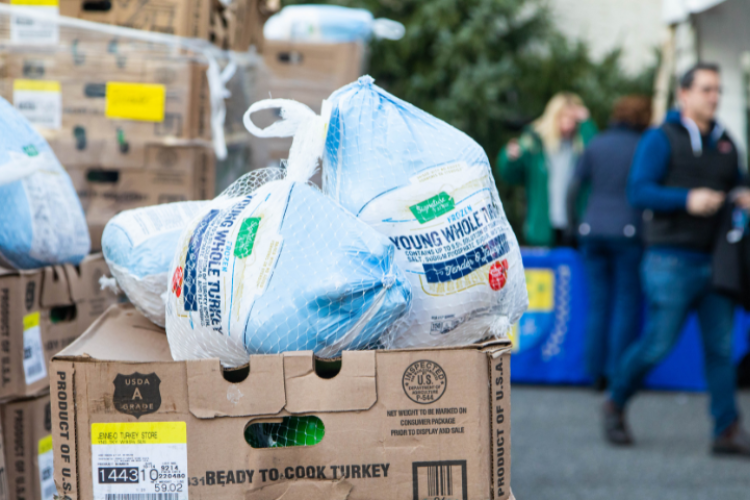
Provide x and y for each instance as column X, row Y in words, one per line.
column 246, row 237
column 432, row 208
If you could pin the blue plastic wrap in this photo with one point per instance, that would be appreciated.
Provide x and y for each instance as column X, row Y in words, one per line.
column 283, row 269
column 41, row 219
column 429, row 188
column 138, row 246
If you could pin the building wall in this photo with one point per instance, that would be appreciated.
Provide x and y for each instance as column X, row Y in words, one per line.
column 634, row 25
column 722, row 36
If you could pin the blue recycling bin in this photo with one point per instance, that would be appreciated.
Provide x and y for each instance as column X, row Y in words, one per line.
column 549, row 341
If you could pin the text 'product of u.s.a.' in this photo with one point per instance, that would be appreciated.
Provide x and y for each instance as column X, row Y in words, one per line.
column 281, row 268
column 138, row 246
column 429, row 188
column 41, row 219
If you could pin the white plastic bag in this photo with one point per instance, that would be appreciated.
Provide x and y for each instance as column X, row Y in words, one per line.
column 284, row 268
column 429, row 188
column 41, row 219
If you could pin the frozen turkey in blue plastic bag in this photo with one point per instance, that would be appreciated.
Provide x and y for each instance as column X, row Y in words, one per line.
column 139, row 245
column 284, row 268
column 429, row 188
column 41, row 219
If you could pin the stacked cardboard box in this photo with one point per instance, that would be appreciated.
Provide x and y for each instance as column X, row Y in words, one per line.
column 430, row 423
column 129, row 121
column 41, row 312
column 234, row 26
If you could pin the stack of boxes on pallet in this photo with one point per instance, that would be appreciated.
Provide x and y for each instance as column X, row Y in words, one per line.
column 129, row 119
column 41, row 312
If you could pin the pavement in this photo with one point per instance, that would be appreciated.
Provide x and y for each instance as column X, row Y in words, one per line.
column 558, row 452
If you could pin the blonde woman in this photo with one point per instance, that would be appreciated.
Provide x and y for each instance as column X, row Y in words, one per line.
column 543, row 160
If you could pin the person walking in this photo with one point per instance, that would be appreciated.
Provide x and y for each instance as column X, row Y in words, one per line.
column 543, row 160
column 610, row 237
column 681, row 174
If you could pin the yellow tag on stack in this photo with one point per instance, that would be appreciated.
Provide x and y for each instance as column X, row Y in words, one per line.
column 135, row 101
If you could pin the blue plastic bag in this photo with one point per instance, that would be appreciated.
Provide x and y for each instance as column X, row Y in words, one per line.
column 329, row 24
column 138, row 246
column 429, row 188
column 282, row 269
column 41, row 219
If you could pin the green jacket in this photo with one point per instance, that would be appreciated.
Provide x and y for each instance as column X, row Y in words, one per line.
column 530, row 171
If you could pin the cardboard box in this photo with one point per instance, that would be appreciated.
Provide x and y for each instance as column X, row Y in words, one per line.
column 401, row 425
column 3, row 467
column 41, row 312
column 234, row 27
column 68, row 93
column 305, row 72
column 28, row 452
column 167, row 174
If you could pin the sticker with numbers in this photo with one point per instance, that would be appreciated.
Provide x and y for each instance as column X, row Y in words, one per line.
column 139, row 461
column 39, row 101
column 46, row 470
column 33, row 353
column 30, row 29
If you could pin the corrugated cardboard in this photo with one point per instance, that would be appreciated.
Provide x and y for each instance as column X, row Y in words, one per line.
column 408, row 424
column 232, row 27
column 83, row 71
column 166, row 174
column 64, row 300
column 26, row 431
column 3, row 467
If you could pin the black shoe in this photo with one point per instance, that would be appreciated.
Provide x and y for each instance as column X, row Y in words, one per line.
column 600, row 384
column 615, row 428
column 733, row 441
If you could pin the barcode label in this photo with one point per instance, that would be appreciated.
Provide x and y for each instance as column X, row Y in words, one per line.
column 445, row 480
column 141, row 496
column 439, row 481
column 33, row 352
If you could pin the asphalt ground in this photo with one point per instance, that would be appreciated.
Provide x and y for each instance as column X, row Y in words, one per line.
column 558, row 452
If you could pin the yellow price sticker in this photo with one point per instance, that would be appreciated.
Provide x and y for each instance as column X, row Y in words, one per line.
column 45, row 445
column 36, row 3
column 135, row 101
column 36, row 85
column 30, row 321
column 139, row 433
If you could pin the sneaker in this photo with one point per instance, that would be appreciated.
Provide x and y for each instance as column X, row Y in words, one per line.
column 733, row 441
column 615, row 428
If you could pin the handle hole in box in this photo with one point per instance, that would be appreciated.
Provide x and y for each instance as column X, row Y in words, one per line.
column 287, row 432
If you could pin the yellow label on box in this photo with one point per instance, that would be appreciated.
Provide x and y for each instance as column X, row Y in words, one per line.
column 135, row 101
column 45, row 445
column 31, row 320
column 36, row 3
column 139, row 433
column 540, row 284
column 36, row 85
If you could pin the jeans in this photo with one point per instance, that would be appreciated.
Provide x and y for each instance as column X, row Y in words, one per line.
column 613, row 317
column 675, row 285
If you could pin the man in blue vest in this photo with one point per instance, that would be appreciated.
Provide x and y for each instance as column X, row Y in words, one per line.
column 682, row 174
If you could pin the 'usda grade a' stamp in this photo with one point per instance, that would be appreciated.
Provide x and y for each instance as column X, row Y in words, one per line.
column 424, row 382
